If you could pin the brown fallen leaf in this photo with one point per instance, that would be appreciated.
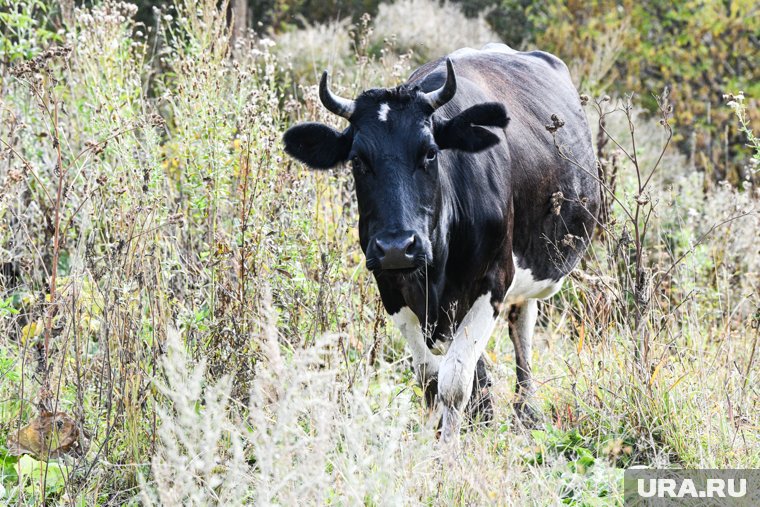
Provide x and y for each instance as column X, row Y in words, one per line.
column 50, row 435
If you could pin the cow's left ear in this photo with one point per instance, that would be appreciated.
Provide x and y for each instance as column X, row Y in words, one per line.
column 465, row 131
column 317, row 145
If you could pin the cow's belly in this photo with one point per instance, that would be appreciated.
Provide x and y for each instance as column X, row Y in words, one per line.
column 526, row 286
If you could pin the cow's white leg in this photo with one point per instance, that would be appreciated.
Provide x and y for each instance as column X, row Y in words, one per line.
column 426, row 364
column 522, row 324
column 456, row 372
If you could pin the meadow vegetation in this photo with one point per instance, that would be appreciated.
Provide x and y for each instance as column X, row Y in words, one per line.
column 185, row 315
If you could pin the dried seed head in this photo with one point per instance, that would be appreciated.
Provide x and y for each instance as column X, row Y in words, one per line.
column 15, row 175
column 556, row 202
column 569, row 240
column 95, row 147
column 178, row 219
column 40, row 62
column 556, row 124
column 156, row 120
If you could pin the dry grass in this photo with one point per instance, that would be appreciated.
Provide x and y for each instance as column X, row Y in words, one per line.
column 217, row 339
column 430, row 29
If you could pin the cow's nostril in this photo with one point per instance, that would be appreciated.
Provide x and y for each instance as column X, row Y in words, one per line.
column 408, row 244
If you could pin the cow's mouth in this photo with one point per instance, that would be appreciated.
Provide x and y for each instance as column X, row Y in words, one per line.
column 402, row 271
column 417, row 268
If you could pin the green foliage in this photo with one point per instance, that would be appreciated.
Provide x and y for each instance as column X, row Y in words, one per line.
column 31, row 473
column 23, row 29
column 22, row 477
column 283, row 13
column 585, row 475
column 8, row 470
column 511, row 19
column 699, row 50
column 7, row 306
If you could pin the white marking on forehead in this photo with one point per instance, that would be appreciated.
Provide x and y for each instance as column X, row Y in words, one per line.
column 382, row 113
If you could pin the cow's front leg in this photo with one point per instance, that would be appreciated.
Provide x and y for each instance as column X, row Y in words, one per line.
column 480, row 407
column 455, row 376
column 426, row 364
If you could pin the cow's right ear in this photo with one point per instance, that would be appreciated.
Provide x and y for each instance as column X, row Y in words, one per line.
column 465, row 131
column 317, row 145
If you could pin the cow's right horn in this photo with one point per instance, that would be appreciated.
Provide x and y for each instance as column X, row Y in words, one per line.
column 445, row 93
column 333, row 103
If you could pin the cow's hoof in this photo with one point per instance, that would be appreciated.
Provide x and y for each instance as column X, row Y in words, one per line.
column 527, row 416
column 451, row 424
column 480, row 408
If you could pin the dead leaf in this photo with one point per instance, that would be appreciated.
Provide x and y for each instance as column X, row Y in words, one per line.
column 55, row 432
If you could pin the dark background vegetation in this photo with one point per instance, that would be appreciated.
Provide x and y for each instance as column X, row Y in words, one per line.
column 699, row 50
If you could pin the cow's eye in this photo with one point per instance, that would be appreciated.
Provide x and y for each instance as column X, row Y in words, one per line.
column 429, row 158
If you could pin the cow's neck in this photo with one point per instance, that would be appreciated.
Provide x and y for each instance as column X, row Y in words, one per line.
column 462, row 237
column 425, row 298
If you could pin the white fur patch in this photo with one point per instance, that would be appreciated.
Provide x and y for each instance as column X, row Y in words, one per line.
column 409, row 325
column 458, row 366
column 457, row 369
column 525, row 286
column 382, row 113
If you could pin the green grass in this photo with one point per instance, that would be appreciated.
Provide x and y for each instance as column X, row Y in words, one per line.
column 214, row 332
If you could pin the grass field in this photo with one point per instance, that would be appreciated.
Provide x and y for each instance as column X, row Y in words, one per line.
column 193, row 306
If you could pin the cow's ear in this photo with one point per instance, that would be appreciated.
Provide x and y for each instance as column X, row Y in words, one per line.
column 317, row 145
column 465, row 131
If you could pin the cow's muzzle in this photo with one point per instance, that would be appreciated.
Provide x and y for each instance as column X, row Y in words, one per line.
column 401, row 251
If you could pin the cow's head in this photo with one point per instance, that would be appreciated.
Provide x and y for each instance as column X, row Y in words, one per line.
column 394, row 143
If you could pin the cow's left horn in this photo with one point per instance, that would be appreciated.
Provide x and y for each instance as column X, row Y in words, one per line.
column 333, row 103
column 445, row 93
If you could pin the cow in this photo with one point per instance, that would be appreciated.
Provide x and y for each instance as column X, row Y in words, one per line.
column 461, row 218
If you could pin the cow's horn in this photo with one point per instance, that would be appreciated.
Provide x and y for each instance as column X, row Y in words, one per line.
column 333, row 103
column 445, row 93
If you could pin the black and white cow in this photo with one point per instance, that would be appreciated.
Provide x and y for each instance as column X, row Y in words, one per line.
column 459, row 216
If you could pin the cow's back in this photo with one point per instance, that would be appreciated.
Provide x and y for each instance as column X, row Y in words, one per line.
column 556, row 200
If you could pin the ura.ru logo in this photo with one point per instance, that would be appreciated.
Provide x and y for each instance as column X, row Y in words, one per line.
column 670, row 488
